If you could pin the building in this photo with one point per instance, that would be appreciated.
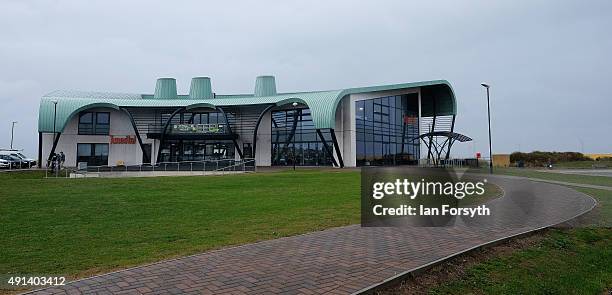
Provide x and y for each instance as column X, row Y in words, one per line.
column 598, row 157
column 376, row 125
column 501, row 160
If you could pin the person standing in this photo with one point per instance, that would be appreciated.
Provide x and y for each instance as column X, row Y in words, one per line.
column 53, row 162
column 62, row 158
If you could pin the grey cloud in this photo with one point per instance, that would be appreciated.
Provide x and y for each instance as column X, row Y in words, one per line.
column 547, row 61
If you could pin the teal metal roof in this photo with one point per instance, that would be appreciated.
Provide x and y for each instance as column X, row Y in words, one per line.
column 322, row 104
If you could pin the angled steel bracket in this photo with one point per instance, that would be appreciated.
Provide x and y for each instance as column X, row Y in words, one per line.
column 229, row 130
column 147, row 157
column 329, row 152
column 163, row 133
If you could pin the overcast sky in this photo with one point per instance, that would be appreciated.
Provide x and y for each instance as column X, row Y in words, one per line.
column 549, row 62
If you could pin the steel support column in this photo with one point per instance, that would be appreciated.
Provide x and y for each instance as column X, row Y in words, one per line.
column 57, row 137
column 337, row 147
column 229, row 130
column 403, row 136
column 39, row 150
column 147, row 158
column 433, row 128
column 291, row 135
column 163, row 132
column 329, row 152
column 450, row 144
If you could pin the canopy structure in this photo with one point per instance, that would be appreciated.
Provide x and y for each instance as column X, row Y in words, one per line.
column 59, row 107
column 439, row 140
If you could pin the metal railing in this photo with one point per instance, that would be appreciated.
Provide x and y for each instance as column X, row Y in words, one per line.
column 245, row 165
column 17, row 165
column 454, row 163
column 221, row 165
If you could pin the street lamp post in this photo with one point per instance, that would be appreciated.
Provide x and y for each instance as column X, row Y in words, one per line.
column 54, row 121
column 12, row 133
column 296, row 118
column 485, row 85
column 54, row 117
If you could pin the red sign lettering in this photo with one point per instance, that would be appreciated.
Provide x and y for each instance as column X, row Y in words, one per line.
column 128, row 139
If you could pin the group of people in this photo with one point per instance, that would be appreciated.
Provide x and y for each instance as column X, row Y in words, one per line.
column 56, row 162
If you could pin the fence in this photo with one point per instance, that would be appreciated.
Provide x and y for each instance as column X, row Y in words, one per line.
column 221, row 165
column 16, row 165
column 453, row 163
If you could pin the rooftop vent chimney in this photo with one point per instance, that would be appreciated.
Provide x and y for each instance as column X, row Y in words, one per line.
column 265, row 86
column 165, row 88
column 201, row 88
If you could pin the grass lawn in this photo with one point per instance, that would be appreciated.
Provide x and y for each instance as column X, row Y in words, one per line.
column 532, row 173
column 566, row 261
column 583, row 164
column 575, row 261
column 77, row 227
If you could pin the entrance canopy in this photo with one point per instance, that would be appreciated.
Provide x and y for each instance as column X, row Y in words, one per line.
column 439, row 141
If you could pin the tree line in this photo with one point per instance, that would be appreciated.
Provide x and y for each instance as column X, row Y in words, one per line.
column 538, row 158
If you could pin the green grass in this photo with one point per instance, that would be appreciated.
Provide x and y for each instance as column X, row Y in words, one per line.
column 77, row 227
column 573, row 261
column 602, row 215
column 582, row 164
column 532, row 173
column 32, row 174
column 567, row 261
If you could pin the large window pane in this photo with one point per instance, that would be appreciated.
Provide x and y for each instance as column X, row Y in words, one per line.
column 102, row 118
column 86, row 118
column 377, row 137
column 83, row 150
column 94, row 123
column 302, row 143
column 94, row 154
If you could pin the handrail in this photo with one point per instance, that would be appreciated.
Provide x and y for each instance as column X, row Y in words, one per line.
column 190, row 166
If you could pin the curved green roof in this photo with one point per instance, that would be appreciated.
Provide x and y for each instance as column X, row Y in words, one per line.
column 436, row 94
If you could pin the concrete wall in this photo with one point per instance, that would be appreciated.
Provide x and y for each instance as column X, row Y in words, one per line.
column 263, row 156
column 120, row 125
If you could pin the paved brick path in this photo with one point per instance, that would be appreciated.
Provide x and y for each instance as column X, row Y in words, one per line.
column 340, row 260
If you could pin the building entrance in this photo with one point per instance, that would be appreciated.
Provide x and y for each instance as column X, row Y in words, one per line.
column 196, row 150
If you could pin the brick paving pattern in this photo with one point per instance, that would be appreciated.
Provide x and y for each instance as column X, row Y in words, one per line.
column 340, row 260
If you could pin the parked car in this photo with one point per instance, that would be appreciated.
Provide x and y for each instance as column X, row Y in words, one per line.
column 25, row 161
column 4, row 163
column 13, row 162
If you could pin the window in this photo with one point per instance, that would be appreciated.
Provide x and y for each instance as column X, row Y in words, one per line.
column 86, row 123
column 382, row 126
column 94, row 123
column 298, row 142
column 146, row 155
column 247, row 150
column 174, row 150
column 95, row 154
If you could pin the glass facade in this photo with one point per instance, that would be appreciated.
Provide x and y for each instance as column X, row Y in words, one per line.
column 194, row 149
column 94, row 123
column 174, row 150
column 386, row 128
column 95, row 154
column 304, row 146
